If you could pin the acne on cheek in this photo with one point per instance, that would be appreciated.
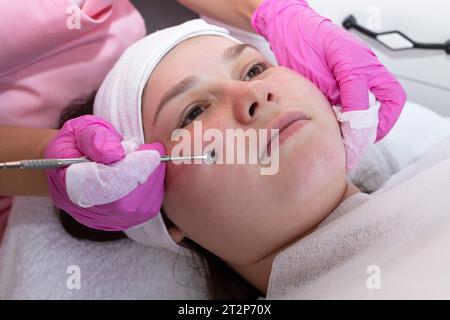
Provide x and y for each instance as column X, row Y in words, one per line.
column 185, row 188
column 217, row 120
column 331, row 154
column 180, row 175
column 177, row 174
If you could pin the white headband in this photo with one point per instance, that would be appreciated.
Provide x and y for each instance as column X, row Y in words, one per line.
column 118, row 101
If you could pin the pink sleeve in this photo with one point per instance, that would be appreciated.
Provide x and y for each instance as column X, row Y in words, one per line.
column 31, row 29
column 44, row 65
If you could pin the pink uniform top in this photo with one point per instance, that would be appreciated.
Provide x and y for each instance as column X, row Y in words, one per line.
column 51, row 53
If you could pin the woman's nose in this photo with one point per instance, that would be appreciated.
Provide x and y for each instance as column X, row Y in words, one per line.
column 248, row 97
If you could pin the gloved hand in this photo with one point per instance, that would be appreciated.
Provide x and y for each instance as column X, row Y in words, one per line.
column 122, row 187
column 341, row 66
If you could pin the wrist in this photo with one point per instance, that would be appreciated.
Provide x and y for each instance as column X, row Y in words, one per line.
column 45, row 138
column 246, row 9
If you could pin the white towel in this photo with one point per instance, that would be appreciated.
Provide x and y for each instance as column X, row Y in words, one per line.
column 36, row 254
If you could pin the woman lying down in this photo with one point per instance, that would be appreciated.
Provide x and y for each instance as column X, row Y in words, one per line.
column 305, row 232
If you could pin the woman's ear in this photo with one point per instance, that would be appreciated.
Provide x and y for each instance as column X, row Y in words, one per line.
column 176, row 234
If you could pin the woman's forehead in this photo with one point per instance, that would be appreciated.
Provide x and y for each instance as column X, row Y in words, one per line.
column 194, row 56
column 195, row 50
column 214, row 43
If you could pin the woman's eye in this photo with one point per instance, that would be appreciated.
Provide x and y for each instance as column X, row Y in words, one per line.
column 196, row 110
column 255, row 70
column 192, row 115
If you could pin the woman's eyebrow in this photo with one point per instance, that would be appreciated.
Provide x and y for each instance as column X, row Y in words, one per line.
column 189, row 82
column 234, row 51
column 181, row 87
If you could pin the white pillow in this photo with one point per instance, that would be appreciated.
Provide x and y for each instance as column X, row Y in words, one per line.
column 417, row 130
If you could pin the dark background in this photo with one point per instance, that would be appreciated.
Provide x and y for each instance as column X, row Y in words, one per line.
column 159, row 14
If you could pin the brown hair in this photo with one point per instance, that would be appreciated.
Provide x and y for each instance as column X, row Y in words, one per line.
column 222, row 281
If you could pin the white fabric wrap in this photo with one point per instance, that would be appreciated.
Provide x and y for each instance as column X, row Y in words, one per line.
column 361, row 119
column 118, row 101
column 359, row 130
column 90, row 183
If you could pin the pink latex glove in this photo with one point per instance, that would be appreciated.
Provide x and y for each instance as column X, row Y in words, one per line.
column 340, row 65
column 117, row 190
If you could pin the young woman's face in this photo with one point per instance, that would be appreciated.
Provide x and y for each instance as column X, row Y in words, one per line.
column 233, row 210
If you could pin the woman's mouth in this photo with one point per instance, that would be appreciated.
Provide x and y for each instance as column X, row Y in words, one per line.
column 287, row 124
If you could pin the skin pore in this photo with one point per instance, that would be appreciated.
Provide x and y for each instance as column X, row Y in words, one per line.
column 233, row 211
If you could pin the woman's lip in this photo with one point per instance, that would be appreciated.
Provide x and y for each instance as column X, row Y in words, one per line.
column 287, row 132
column 291, row 129
column 287, row 124
column 286, row 118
